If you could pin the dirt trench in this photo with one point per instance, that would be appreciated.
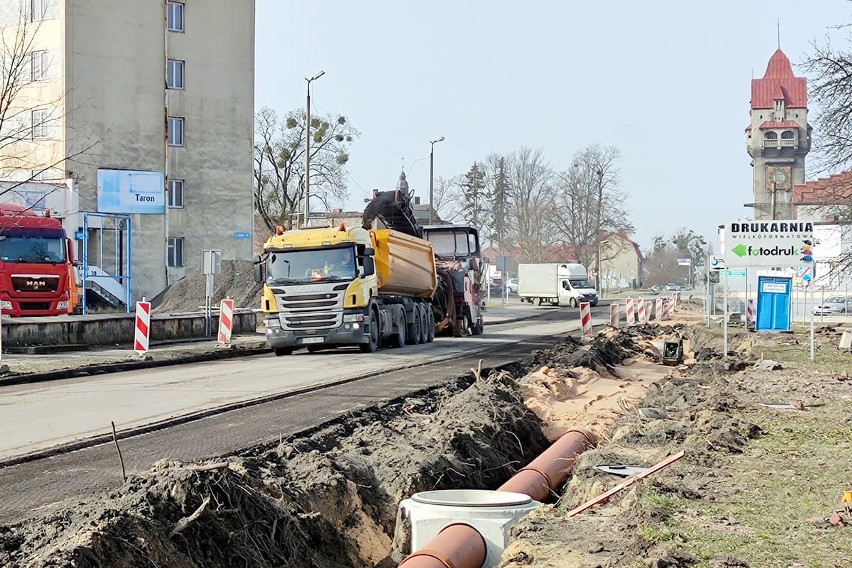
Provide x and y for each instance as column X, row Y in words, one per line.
column 328, row 498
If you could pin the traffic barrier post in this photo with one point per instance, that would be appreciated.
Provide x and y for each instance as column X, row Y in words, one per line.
column 586, row 317
column 143, row 327
column 750, row 312
column 614, row 316
column 658, row 309
column 628, row 311
column 226, row 321
column 641, row 315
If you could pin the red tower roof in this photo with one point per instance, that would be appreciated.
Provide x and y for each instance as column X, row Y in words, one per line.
column 779, row 82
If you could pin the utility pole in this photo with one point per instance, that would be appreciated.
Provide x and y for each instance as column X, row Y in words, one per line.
column 432, row 178
column 308, row 147
column 598, row 231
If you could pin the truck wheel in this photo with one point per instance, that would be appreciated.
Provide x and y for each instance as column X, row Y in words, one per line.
column 430, row 324
column 539, row 301
column 424, row 324
column 373, row 345
column 416, row 328
column 279, row 351
column 478, row 327
column 398, row 339
column 572, row 303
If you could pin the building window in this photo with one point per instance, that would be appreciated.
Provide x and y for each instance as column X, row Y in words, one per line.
column 39, row 63
column 38, row 10
column 176, row 126
column 175, row 193
column 174, row 74
column 175, row 16
column 39, row 124
column 175, row 251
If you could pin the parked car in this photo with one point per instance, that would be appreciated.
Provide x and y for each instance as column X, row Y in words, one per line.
column 512, row 285
column 657, row 288
column 833, row 306
column 672, row 287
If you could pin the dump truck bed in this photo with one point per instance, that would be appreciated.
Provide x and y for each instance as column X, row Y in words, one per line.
column 405, row 265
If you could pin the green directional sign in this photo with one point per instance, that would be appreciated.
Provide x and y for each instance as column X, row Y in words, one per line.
column 736, row 273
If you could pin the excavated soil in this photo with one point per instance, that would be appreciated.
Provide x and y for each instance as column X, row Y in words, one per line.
column 330, row 497
column 236, row 281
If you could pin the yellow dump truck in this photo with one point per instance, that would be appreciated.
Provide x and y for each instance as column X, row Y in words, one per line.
column 333, row 286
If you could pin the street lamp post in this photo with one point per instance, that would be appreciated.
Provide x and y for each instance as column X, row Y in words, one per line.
column 308, row 146
column 432, row 178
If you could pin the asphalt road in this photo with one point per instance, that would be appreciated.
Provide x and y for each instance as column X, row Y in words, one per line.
column 56, row 440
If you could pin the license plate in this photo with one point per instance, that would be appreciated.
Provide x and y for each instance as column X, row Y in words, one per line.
column 312, row 340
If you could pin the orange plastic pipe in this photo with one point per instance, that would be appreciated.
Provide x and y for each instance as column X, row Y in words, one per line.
column 456, row 546
column 549, row 471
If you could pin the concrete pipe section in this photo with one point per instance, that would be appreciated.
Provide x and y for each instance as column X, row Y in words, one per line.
column 469, row 528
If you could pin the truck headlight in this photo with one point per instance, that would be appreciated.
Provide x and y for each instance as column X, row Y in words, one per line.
column 62, row 305
column 349, row 318
column 5, row 305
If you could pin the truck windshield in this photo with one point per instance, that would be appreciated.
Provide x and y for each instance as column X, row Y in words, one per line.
column 31, row 246
column 308, row 266
column 581, row 283
column 452, row 243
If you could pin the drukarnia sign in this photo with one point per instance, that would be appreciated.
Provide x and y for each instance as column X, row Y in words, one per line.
column 768, row 243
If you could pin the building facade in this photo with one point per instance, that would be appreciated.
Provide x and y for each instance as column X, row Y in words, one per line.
column 150, row 98
column 778, row 137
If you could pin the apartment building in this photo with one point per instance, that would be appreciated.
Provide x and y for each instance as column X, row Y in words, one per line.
column 135, row 120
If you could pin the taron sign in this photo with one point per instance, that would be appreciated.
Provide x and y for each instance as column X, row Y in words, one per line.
column 131, row 191
column 768, row 243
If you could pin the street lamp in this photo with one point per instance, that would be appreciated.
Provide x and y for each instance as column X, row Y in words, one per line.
column 308, row 147
column 431, row 178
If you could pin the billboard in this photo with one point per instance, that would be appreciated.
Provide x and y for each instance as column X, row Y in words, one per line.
column 131, row 191
column 768, row 243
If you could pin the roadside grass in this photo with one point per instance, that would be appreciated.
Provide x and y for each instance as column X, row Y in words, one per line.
column 755, row 506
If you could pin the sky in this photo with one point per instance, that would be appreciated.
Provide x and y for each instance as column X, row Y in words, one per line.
column 667, row 82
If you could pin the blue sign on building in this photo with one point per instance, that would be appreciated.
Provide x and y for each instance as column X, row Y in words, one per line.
column 241, row 235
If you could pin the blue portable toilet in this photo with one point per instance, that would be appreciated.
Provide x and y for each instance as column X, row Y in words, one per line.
column 773, row 303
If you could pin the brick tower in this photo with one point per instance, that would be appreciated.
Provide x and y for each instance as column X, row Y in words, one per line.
column 778, row 138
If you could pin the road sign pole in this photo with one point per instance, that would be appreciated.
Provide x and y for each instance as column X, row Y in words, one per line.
column 725, row 321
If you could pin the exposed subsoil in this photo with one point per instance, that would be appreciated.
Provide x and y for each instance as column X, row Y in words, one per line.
column 236, row 281
column 330, row 497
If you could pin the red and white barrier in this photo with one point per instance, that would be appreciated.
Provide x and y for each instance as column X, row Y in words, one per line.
column 226, row 321
column 675, row 299
column 143, row 327
column 667, row 308
column 750, row 312
column 658, row 309
column 629, row 311
column 586, row 318
column 641, row 315
column 614, row 316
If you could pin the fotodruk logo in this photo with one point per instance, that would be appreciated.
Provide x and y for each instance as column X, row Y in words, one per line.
column 749, row 250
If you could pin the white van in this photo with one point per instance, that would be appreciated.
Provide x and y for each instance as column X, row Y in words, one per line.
column 556, row 283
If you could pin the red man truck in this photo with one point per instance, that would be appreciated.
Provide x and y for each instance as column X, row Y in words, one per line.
column 36, row 264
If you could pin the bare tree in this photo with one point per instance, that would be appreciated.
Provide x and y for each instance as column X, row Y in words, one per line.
column 831, row 89
column 530, row 219
column 279, row 162
column 448, row 201
column 31, row 100
column 588, row 203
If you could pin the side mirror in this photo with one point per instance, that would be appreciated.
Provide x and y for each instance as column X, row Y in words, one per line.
column 259, row 269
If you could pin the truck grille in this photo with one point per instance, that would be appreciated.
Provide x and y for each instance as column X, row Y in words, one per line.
column 35, row 282
column 317, row 309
